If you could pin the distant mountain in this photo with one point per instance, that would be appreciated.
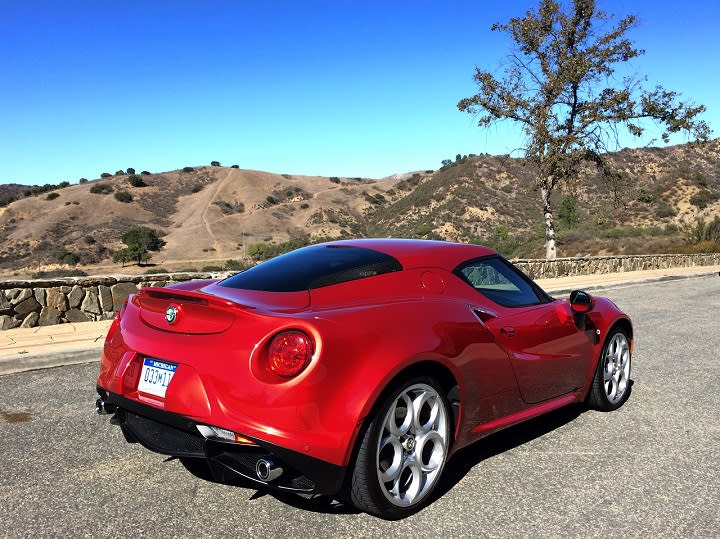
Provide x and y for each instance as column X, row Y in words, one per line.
column 211, row 214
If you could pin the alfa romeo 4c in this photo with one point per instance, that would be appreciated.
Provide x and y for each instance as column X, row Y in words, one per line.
column 355, row 368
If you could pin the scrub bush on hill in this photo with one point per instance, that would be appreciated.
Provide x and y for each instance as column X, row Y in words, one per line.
column 101, row 189
column 136, row 181
column 123, row 196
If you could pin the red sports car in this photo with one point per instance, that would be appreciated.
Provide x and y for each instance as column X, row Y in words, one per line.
column 355, row 368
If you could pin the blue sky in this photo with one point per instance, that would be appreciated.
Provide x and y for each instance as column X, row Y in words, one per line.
column 335, row 88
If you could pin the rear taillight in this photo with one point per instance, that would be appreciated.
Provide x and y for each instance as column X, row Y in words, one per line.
column 289, row 353
column 116, row 322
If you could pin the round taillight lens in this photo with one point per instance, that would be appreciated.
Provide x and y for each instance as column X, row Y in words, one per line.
column 289, row 353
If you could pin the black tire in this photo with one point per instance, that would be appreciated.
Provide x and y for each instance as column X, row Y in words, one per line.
column 611, row 384
column 415, row 459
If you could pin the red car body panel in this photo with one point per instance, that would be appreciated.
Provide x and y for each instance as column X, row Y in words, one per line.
column 509, row 363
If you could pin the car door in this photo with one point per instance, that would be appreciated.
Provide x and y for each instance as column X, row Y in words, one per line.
column 549, row 351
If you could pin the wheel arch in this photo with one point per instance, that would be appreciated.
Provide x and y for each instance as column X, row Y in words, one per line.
column 625, row 325
column 426, row 367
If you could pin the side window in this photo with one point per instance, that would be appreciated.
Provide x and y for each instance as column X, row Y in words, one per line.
column 499, row 281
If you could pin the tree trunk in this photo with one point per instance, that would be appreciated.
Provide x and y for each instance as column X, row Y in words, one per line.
column 550, row 252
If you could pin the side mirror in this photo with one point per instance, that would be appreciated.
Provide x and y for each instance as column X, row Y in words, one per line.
column 580, row 301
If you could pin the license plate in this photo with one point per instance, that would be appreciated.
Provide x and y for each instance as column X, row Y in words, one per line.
column 155, row 376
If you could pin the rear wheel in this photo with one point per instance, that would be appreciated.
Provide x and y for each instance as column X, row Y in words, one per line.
column 403, row 451
column 611, row 384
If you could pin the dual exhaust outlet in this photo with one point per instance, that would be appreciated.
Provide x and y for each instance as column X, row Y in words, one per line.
column 266, row 470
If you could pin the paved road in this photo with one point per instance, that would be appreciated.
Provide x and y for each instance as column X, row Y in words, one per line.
column 650, row 469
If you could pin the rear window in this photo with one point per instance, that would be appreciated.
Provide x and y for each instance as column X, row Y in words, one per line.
column 314, row 267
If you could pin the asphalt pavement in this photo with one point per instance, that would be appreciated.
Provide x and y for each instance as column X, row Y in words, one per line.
column 650, row 469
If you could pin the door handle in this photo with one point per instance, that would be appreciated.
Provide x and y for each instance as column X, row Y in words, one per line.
column 507, row 331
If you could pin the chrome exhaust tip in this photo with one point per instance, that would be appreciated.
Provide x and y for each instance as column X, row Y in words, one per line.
column 103, row 408
column 267, row 470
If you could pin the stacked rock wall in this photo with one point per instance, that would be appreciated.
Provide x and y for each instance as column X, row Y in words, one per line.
column 45, row 302
column 592, row 265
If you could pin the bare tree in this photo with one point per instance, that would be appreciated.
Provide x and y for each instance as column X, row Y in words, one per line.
column 560, row 86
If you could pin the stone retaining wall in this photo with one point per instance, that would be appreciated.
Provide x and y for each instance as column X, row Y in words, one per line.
column 592, row 265
column 44, row 302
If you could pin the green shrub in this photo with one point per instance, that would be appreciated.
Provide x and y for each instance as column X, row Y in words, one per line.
column 229, row 209
column 152, row 271
column 304, row 206
column 6, row 200
column 212, row 269
column 701, row 231
column 89, row 239
column 52, row 196
column 664, row 210
column 214, row 163
column 67, row 257
column 702, row 198
column 130, row 171
column 234, row 265
column 256, row 250
column 119, row 173
column 105, row 175
column 83, row 180
column 234, row 166
column 335, row 179
column 145, row 173
column 423, row 229
column 271, row 200
column 644, row 196
column 197, row 188
column 568, row 213
column 123, row 196
column 136, row 181
column 101, row 189
column 63, row 185
column 188, row 169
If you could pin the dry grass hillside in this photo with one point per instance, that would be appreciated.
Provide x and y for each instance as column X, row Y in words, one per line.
column 209, row 215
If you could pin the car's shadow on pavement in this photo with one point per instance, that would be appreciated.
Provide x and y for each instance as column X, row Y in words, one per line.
column 466, row 459
column 455, row 470
column 459, row 466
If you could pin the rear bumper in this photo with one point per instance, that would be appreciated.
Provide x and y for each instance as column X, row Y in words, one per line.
column 176, row 435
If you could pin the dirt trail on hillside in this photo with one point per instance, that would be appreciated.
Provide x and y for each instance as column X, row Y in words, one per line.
column 191, row 230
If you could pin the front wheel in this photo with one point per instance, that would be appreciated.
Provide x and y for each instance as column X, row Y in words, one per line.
column 611, row 384
column 403, row 451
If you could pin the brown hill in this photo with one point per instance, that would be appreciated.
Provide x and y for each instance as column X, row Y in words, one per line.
column 212, row 214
